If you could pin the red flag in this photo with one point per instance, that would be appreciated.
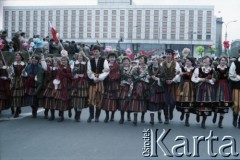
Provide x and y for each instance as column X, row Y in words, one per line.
column 226, row 44
column 149, row 52
column 54, row 33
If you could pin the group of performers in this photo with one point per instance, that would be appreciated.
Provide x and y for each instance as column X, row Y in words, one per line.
column 131, row 86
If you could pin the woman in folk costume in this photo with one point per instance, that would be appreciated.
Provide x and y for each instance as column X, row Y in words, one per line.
column 234, row 75
column 156, row 97
column 126, row 80
column 79, row 92
column 17, row 90
column 63, row 87
column 185, row 92
column 223, row 91
column 52, row 69
column 98, row 69
column 5, row 94
column 205, row 90
column 139, row 87
column 33, row 84
column 111, row 87
column 172, row 72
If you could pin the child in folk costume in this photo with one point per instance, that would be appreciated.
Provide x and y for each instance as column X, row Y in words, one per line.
column 52, row 70
column 172, row 71
column 126, row 80
column 139, row 87
column 234, row 75
column 17, row 90
column 63, row 84
column 205, row 90
column 5, row 95
column 79, row 91
column 33, row 84
column 185, row 92
column 223, row 91
column 111, row 87
column 156, row 97
column 97, row 71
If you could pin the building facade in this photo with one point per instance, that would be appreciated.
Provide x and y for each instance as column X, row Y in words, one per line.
column 235, row 46
column 141, row 27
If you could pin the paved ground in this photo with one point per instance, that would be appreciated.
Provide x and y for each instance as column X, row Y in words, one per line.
column 26, row 138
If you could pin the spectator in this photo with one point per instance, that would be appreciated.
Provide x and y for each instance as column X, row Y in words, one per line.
column 5, row 42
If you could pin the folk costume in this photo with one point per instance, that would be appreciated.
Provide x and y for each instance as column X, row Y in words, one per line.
column 33, row 84
column 139, row 89
column 172, row 71
column 111, row 87
column 185, row 93
column 79, row 92
column 156, row 96
column 97, row 70
column 234, row 75
column 18, row 81
column 5, row 94
column 205, row 92
column 123, row 99
column 223, row 93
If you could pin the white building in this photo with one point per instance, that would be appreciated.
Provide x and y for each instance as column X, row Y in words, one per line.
column 145, row 27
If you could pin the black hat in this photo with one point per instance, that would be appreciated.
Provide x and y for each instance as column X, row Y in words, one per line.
column 112, row 54
column 96, row 47
column 170, row 51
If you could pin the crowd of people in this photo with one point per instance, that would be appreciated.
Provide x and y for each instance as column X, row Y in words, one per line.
column 150, row 84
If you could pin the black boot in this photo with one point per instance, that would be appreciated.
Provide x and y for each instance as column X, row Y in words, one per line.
column 129, row 116
column 135, row 119
column 187, row 120
column 98, row 112
column 152, row 118
column 166, row 116
column 91, row 114
column 142, row 117
column 52, row 115
column 107, row 117
column 61, row 116
column 182, row 116
column 78, row 116
column 197, row 118
column 235, row 117
column 203, row 122
column 46, row 113
column 220, row 122
column 239, row 122
column 70, row 113
column 214, row 118
column 171, row 113
column 122, row 118
column 12, row 110
column 34, row 112
column 159, row 117
column 75, row 117
column 112, row 116
column 16, row 113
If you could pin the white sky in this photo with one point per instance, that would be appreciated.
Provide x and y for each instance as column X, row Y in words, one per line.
column 230, row 9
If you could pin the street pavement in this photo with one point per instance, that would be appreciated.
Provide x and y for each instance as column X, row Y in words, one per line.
column 26, row 138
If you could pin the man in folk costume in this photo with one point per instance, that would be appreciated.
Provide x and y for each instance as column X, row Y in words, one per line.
column 172, row 71
column 205, row 78
column 97, row 70
column 234, row 75
column 33, row 83
column 111, row 87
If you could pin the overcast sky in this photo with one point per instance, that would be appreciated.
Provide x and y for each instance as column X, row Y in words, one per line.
column 228, row 9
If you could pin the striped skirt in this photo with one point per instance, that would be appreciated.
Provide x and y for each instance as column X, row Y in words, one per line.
column 223, row 91
column 138, row 100
column 79, row 93
column 156, row 98
column 205, row 92
column 109, row 102
column 18, row 92
column 236, row 101
column 5, row 98
column 123, row 101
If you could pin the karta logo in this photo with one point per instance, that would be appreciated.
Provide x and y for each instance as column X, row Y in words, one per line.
column 153, row 141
